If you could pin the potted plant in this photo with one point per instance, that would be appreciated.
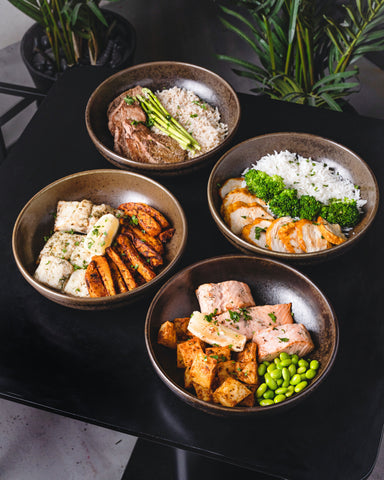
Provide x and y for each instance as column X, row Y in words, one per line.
column 73, row 32
column 307, row 48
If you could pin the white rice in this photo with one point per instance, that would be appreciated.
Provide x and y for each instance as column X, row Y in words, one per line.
column 309, row 177
column 201, row 120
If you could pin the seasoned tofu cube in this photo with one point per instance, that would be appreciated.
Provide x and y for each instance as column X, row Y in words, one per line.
column 99, row 210
column 248, row 354
column 181, row 325
column 61, row 245
column 186, row 352
column 53, row 271
column 230, row 393
column 73, row 216
column 76, row 285
column 246, row 372
column 203, row 369
column 167, row 335
column 225, row 370
column 203, row 393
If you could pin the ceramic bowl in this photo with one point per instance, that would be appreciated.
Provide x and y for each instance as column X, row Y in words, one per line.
column 350, row 166
column 112, row 187
column 210, row 87
column 271, row 282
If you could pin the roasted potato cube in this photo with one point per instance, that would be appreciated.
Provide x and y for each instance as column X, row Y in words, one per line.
column 203, row 369
column 250, row 400
column 187, row 378
column 248, row 354
column 221, row 354
column 167, row 335
column 230, row 393
column 186, row 352
column 225, row 370
column 203, row 393
column 181, row 325
column 246, row 372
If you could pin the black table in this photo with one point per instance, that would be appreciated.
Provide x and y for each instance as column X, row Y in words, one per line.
column 93, row 366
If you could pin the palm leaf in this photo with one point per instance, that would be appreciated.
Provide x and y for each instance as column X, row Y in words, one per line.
column 97, row 12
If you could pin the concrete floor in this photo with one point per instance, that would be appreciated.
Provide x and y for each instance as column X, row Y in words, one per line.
column 37, row 445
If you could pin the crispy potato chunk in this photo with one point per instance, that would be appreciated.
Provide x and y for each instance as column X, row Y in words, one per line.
column 181, row 325
column 248, row 354
column 225, row 370
column 221, row 354
column 203, row 393
column 230, row 393
column 250, row 400
column 187, row 378
column 203, row 369
column 167, row 335
column 246, row 372
column 186, row 352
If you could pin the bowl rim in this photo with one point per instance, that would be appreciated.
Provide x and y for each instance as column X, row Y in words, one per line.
column 220, row 409
column 283, row 255
column 119, row 159
column 59, row 297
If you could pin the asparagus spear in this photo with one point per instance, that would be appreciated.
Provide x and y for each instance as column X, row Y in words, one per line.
column 159, row 116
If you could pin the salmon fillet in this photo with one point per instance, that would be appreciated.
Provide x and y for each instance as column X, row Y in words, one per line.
column 252, row 319
column 223, row 296
column 290, row 338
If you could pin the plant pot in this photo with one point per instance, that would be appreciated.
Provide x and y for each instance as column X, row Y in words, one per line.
column 44, row 81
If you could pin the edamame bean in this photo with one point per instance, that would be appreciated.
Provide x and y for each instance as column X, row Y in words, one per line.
column 280, row 366
column 300, row 386
column 292, row 369
column 270, row 381
column 261, row 390
column 280, row 390
column 261, row 370
column 279, row 398
column 285, row 383
column 284, row 356
column 266, row 402
column 289, row 393
column 271, row 367
column 286, row 362
column 275, row 374
column 301, row 370
column 311, row 373
column 266, row 363
column 314, row 365
column 277, row 360
column 303, row 363
column 279, row 382
column 286, row 374
column 269, row 394
column 295, row 359
column 295, row 380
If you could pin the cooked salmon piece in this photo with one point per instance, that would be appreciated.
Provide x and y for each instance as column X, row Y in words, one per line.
column 288, row 235
column 240, row 195
column 219, row 297
column 290, row 338
column 231, row 184
column 331, row 231
column 249, row 320
column 309, row 236
column 255, row 232
column 272, row 238
column 239, row 214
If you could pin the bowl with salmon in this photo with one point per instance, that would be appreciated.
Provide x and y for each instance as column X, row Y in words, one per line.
column 99, row 239
column 292, row 196
column 241, row 335
column 162, row 118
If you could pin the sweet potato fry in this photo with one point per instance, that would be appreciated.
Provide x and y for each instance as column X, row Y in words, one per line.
column 153, row 242
column 118, row 280
column 166, row 235
column 136, row 207
column 148, row 223
column 94, row 283
column 124, row 270
column 154, row 258
column 133, row 256
column 105, row 273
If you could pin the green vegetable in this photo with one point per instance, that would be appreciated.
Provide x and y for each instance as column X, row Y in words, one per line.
column 270, row 382
column 261, row 370
column 309, row 207
column 269, row 394
column 286, row 362
column 343, row 212
column 261, row 390
column 311, row 373
column 258, row 231
column 285, row 204
column 263, row 185
column 276, row 374
column 292, row 369
column 165, row 122
column 301, row 370
column 284, row 356
column 303, row 363
column 301, row 386
column 296, row 379
column 286, row 374
column 279, row 398
column 271, row 367
column 314, row 364
column 266, row 402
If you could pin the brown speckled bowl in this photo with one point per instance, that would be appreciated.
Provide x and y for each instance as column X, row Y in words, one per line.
column 112, row 187
column 271, row 282
column 350, row 165
column 159, row 75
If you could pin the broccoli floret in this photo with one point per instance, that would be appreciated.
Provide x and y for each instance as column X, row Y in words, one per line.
column 344, row 212
column 285, row 203
column 309, row 207
column 263, row 185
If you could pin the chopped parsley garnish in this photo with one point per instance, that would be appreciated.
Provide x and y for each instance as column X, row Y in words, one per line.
column 273, row 316
column 210, row 316
column 129, row 100
column 134, row 220
column 283, row 339
column 235, row 316
column 135, row 267
column 193, row 115
column 216, row 357
column 244, row 312
column 258, row 231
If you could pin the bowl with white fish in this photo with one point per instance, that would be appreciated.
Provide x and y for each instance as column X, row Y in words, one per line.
column 292, row 196
column 162, row 118
column 99, row 239
column 241, row 335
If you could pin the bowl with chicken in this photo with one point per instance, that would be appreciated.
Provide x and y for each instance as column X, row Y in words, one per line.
column 292, row 196
column 162, row 118
column 241, row 335
column 99, row 239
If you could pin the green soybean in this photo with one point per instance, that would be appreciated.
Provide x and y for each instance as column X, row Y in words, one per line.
column 301, row 370
column 292, row 369
column 295, row 359
column 261, row 390
column 271, row 367
column 295, row 380
column 270, row 381
column 279, row 382
column 300, row 386
column 289, row 393
column 314, row 365
column 280, row 390
column 266, row 363
column 311, row 373
column 265, row 402
column 269, row 394
column 275, row 374
column 261, row 370
column 303, row 363
column 286, row 374
column 286, row 362
column 277, row 360
column 285, row 383
column 279, row 398
column 284, row 356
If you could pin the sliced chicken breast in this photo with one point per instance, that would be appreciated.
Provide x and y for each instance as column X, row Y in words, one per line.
column 290, row 338
column 309, row 237
column 331, row 232
column 223, row 296
column 249, row 320
column 241, row 195
column 255, row 232
column 231, row 184
column 288, row 235
column 273, row 240
column 239, row 214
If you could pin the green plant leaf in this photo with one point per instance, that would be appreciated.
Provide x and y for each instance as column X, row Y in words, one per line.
column 331, row 102
column 334, row 77
column 243, row 63
column 28, row 9
column 242, row 35
column 292, row 19
column 97, row 12
column 75, row 13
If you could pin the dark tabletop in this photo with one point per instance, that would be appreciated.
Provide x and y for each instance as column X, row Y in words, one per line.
column 94, row 366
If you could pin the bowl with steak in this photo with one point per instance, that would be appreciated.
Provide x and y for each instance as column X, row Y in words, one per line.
column 164, row 118
column 240, row 335
column 99, row 239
